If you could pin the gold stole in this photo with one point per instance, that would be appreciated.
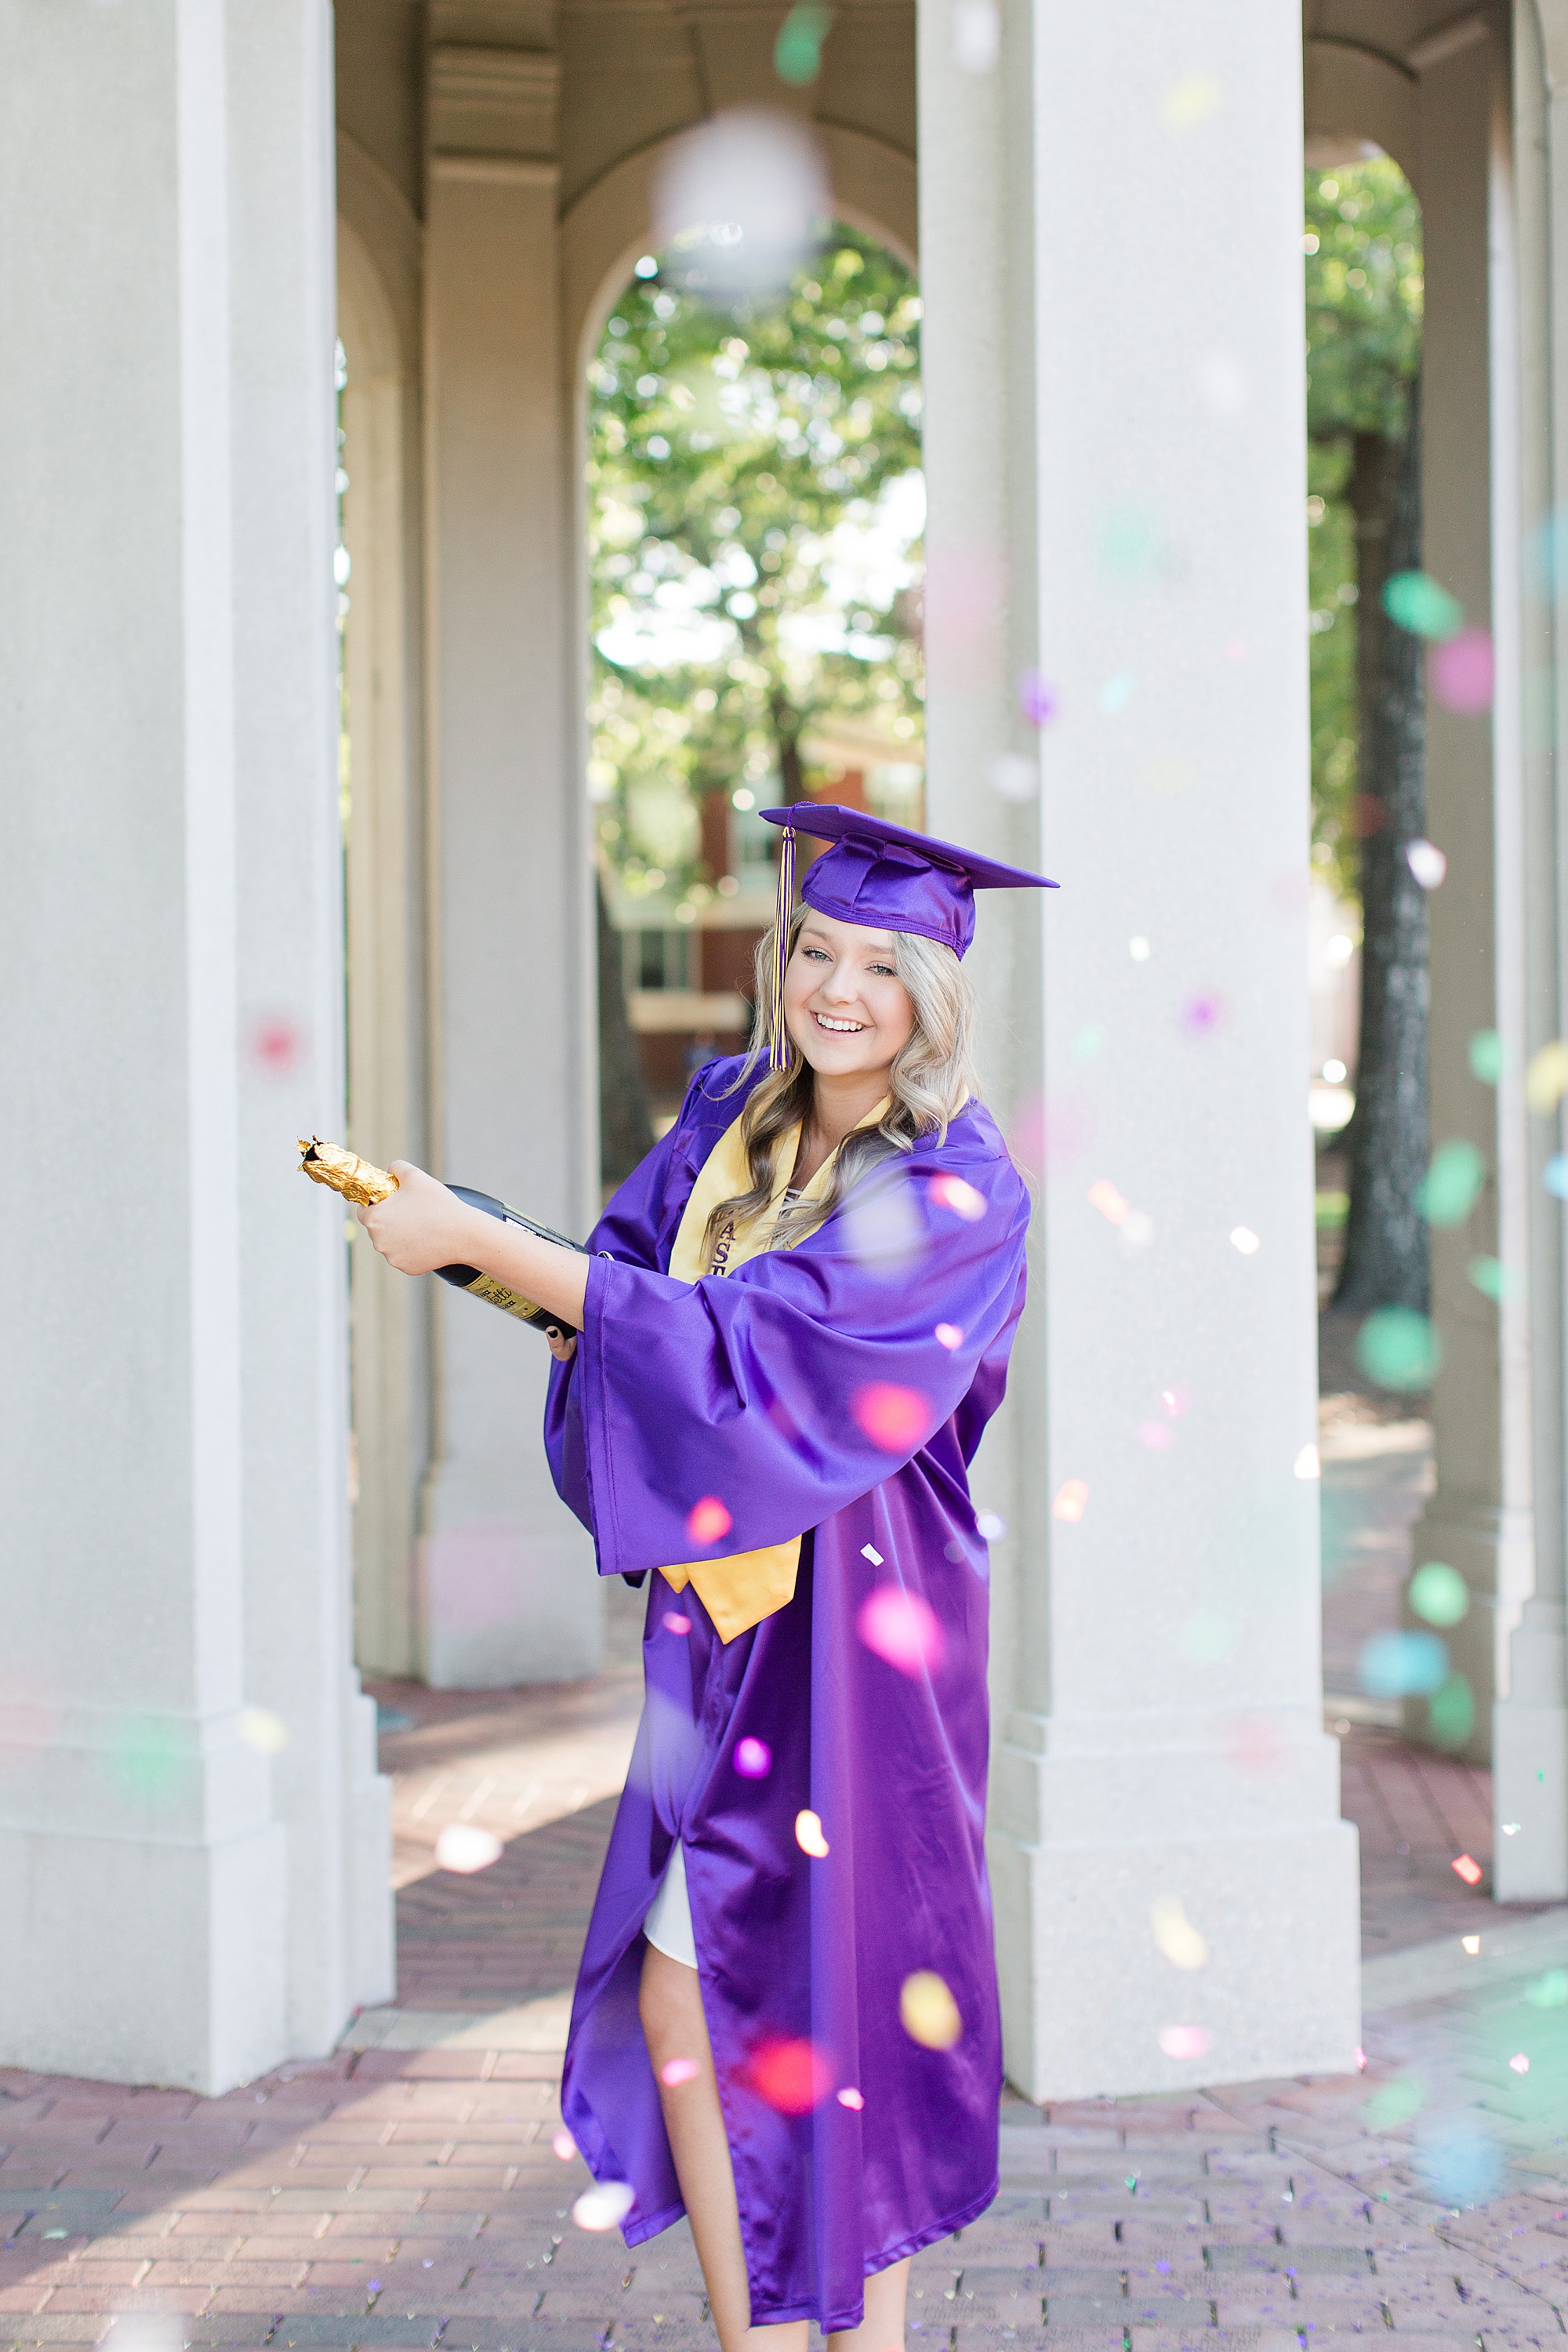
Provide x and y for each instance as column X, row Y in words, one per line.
column 748, row 1586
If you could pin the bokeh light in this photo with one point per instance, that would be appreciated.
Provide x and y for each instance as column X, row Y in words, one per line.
column 901, row 1629
column 1452, row 1184
column 808, row 1835
column 1439, row 1594
column 1071, row 1500
column 605, row 2206
column 1417, row 604
column 1402, row 1665
column 265, row 1732
column 676, row 2071
column 739, row 200
column 1174, row 1933
column 893, row 1418
column 1451, row 1712
column 976, row 34
column 850, row 2097
column 1398, row 1349
column 708, row 1521
column 953, row 1192
column 274, row 1045
column 753, row 1758
column 1463, row 672
column 928, row 2012
column 1426, row 862
column 949, row 1336
column 1486, row 1056
column 1546, row 1077
column 1461, row 2161
column 464, row 1847
column 1183, row 2041
column 791, row 2076
column 675, row 1621
column 1466, row 1867
column 564, row 2146
column 1037, row 699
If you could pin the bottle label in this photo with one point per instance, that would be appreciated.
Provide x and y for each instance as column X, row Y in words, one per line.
column 497, row 1295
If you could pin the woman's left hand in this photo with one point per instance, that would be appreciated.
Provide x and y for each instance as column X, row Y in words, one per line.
column 420, row 1226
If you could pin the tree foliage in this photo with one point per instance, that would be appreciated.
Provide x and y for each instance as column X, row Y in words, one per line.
column 732, row 453
column 1362, row 244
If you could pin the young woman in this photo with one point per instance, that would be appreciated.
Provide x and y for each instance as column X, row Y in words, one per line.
column 795, row 1325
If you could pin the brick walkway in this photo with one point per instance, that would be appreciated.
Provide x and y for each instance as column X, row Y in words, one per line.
column 405, row 2192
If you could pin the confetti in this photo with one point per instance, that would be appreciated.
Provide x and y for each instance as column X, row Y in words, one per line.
column 1189, row 101
column 928, row 2012
column 1510, row 1828
column 798, row 52
column 676, row 2071
column 893, row 1418
column 1486, row 1056
column 1103, row 1196
column 1244, row 1239
column 850, row 2097
column 1072, row 1499
column 1451, row 1713
column 1452, row 1184
column 755, row 178
column 808, row 1835
column 264, row 1732
column 1439, row 1594
column 1417, row 604
column 1549, row 1992
column 1397, row 1348
column 1462, row 2163
column 1402, row 1665
column 1138, row 948
column 949, row 1336
column 674, row 1622
column 1308, row 1464
column 1116, row 693
column 1467, row 1868
column 1183, row 2041
column 990, row 1526
column 1037, row 700
column 1426, row 862
column 1546, row 1077
column 1520, row 2063
column 976, row 34
column 1201, row 1015
column 753, row 1758
column 1472, row 1945
column 1157, row 1435
column 274, row 1045
column 792, row 2076
column 1012, row 777
column 1554, row 1175
column 1174, row 1401
column 869, row 1551
column 605, row 2206
column 707, row 1520
column 901, row 1630
column 463, row 1847
column 954, row 1193
column 1175, row 1935
column 1463, row 673
column 563, row 2144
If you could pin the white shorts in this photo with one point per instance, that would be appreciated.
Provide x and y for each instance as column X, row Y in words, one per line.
column 668, row 1926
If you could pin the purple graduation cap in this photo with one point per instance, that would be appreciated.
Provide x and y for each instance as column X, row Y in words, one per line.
column 883, row 876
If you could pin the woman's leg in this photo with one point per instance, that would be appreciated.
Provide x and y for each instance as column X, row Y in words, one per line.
column 674, row 2026
column 882, row 2329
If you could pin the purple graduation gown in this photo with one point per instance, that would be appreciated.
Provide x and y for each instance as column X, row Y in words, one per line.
column 745, row 1387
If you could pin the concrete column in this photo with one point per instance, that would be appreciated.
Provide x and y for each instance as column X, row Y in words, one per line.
column 1123, row 495
column 506, row 1587
column 190, row 1900
column 1529, row 1724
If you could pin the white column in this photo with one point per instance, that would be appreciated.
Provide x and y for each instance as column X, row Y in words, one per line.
column 1529, row 1724
column 1118, row 496
column 507, row 1590
column 173, row 1427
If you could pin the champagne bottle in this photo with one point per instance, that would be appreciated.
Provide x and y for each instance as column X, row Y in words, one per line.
column 360, row 1179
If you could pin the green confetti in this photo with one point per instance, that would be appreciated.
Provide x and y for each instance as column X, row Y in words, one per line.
column 1439, row 1593
column 1417, row 604
column 1451, row 1186
column 1486, row 1056
column 1398, row 1349
column 798, row 52
column 1451, row 1713
column 1492, row 1278
column 1395, row 2103
column 1549, row 1992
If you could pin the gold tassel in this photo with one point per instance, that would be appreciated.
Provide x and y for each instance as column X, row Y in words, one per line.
column 778, row 1035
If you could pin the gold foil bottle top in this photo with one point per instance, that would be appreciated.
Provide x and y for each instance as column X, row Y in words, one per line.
column 343, row 1172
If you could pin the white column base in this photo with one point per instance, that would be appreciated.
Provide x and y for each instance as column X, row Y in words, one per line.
column 1086, row 1841
column 370, row 1923
column 142, row 1937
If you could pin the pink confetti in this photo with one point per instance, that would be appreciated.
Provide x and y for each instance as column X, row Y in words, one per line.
column 676, row 2071
column 275, row 1045
column 1201, row 1015
column 1360, row 2060
column 1103, row 1196
column 1183, row 2041
column 674, row 1622
column 707, row 1520
column 1072, row 1500
column 563, row 2144
column 1174, row 1401
column 849, row 2098
column 1520, row 2064
column 949, row 1335
column 953, row 1192
column 901, row 1630
column 753, row 1758
column 893, row 1418
column 1463, row 672
column 1157, row 1435
column 1037, row 700
column 792, row 2076
column 1468, row 1869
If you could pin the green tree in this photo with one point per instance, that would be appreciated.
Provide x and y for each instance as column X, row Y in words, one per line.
column 1362, row 243
column 729, row 447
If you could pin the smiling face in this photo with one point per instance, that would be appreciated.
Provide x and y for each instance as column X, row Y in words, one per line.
column 845, row 1005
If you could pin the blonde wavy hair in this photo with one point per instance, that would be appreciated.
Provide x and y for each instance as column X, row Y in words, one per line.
column 930, row 1081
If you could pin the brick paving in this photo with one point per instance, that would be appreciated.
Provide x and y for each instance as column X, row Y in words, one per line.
column 394, row 2196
